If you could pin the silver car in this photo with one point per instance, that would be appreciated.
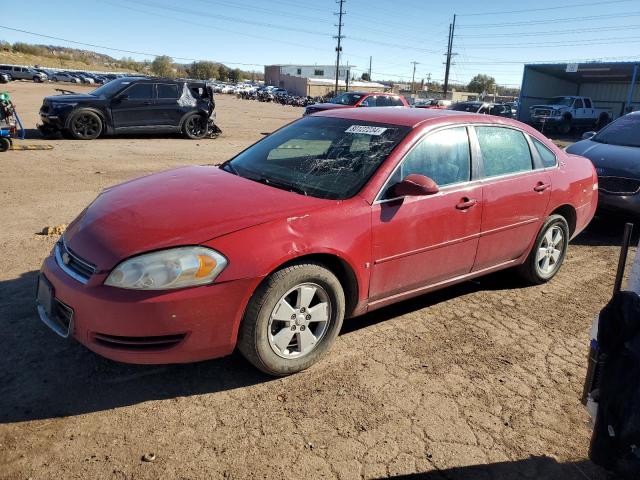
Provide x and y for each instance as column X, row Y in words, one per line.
column 23, row 73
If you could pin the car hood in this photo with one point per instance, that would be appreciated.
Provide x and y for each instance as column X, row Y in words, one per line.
column 609, row 160
column 76, row 98
column 550, row 107
column 185, row 206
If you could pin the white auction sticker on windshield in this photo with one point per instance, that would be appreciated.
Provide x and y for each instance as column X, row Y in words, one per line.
column 366, row 129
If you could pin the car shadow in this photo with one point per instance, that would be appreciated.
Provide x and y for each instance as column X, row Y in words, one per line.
column 606, row 230
column 530, row 468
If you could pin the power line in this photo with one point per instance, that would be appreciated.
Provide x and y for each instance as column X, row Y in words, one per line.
column 552, row 32
column 573, row 5
column 557, row 20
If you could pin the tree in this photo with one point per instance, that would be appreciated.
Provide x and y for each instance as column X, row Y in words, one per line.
column 162, row 66
column 235, row 75
column 482, row 83
column 203, row 70
column 365, row 77
column 223, row 73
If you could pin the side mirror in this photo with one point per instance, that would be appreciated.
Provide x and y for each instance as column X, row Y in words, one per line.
column 587, row 135
column 415, row 185
column 122, row 98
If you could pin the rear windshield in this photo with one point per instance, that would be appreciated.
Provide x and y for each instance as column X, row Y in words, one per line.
column 319, row 156
column 466, row 107
column 625, row 131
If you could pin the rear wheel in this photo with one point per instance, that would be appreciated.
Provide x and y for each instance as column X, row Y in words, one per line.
column 292, row 319
column 195, row 126
column 564, row 127
column 85, row 125
column 548, row 252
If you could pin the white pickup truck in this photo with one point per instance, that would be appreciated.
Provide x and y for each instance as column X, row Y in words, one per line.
column 565, row 113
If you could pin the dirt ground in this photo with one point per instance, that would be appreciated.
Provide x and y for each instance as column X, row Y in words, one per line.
column 479, row 381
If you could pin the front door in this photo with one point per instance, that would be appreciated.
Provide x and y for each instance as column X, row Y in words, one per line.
column 515, row 196
column 419, row 241
column 133, row 107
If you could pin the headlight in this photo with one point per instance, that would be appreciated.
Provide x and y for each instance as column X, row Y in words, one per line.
column 168, row 269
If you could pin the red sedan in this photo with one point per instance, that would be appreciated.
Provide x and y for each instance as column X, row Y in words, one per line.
column 358, row 99
column 330, row 217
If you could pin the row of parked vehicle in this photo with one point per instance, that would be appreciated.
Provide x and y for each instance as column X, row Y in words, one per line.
column 39, row 75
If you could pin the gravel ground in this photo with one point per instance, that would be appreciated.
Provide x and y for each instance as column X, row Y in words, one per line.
column 478, row 381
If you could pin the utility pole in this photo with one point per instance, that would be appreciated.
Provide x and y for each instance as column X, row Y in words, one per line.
column 429, row 82
column 452, row 29
column 370, row 58
column 413, row 78
column 339, row 38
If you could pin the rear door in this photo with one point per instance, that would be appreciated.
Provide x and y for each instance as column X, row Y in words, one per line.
column 133, row 107
column 168, row 111
column 515, row 195
column 420, row 241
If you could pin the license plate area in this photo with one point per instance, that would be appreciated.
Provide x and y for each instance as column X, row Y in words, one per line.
column 55, row 314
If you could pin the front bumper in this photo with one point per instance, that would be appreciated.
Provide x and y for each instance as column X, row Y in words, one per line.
column 546, row 120
column 161, row 327
column 52, row 120
column 625, row 204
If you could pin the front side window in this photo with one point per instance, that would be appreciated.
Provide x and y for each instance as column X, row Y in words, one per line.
column 443, row 156
column 140, row 91
column 370, row 101
column 578, row 103
column 319, row 156
column 168, row 91
column 547, row 156
column 504, row 151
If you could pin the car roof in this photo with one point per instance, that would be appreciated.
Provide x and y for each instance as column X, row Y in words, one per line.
column 412, row 117
column 372, row 93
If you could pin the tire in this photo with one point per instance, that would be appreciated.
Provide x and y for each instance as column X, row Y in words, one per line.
column 534, row 269
column 37, row 79
column 297, row 290
column 85, row 125
column 564, row 127
column 5, row 144
column 195, row 126
column 603, row 121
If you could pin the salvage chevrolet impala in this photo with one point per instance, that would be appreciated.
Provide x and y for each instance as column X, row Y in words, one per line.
column 332, row 216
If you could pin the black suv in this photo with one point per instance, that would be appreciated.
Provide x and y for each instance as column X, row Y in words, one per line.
column 132, row 105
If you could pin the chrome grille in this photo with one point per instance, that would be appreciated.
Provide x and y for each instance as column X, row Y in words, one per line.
column 72, row 264
column 619, row 185
column 542, row 113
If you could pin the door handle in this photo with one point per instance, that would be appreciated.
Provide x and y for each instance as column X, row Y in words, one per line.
column 466, row 203
column 541, row 186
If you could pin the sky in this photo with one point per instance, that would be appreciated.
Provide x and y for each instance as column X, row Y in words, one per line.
column 495, row 38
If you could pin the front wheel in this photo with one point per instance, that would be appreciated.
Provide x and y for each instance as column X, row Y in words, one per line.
column 195, row 126
column 5, row 144
column 85, row 125
column 292, row 319
column 548, row 252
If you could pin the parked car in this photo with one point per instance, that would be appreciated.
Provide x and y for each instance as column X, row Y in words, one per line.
column 358, row 99
column 332, row 216
column 485, row 108
column 565, row 113
column 23, row 73
column 65, row 77
column 129, row 105
column 615, row 153
column 435, row 103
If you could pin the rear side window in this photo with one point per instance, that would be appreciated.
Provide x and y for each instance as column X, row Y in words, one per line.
column 504, row 151
column 547, row 156
column 587, row 103
column 166, row 90
column 442, row 156
column 140, row 91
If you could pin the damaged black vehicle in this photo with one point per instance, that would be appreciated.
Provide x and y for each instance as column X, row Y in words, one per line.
column 132, row 105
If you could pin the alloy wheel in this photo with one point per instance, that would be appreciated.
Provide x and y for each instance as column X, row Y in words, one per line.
column 86, row 126
column 550, row 251
column 299, row 321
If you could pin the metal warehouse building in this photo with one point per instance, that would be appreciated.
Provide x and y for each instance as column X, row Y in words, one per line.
column 609, row 85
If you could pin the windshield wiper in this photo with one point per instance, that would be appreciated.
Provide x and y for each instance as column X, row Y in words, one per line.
column 280, row 185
